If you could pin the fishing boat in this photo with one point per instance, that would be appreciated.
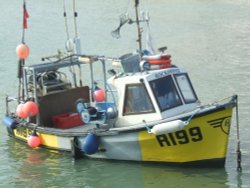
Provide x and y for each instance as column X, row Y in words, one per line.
column 138, row 113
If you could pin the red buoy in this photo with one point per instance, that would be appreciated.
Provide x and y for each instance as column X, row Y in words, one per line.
column 99, row 95
column 19, row 111
column 34, row 140
column 30, row 108
column 22, row 51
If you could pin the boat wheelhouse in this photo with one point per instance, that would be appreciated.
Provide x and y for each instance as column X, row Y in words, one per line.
column 154, row 95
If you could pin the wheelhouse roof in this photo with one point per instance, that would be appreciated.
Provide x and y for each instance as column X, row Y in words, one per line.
column 150, row 75
column 47, row 66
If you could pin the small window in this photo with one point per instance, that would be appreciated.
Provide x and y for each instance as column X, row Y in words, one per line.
column 165, row 93
column 137, row 100
column 186, row 88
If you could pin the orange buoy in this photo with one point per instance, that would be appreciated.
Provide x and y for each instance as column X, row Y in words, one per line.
column 30, row 108
column 22, row 51
column 34, row 140
column 19, row 111
column 99, row 95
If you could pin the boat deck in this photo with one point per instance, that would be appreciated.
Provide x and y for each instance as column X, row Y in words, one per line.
column 74, row 131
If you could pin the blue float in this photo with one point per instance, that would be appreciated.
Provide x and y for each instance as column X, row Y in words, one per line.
column 9, row 122
column 91, row 144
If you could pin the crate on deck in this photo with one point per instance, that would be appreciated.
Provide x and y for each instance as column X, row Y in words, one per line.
column 67, row 120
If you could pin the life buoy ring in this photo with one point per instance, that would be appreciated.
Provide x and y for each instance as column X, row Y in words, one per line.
column 157, row 56
column 159, row 60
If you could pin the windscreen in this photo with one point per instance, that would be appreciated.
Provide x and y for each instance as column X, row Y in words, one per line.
column 165, row 93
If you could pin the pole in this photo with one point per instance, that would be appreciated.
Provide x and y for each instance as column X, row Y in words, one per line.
column 138, row 25
column 75, row 15
column 239, row 168
column 21, row 62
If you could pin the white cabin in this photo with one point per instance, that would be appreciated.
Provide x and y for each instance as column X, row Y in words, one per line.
column 153, row 95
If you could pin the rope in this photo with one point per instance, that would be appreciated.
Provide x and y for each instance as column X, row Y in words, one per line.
column 185, row 122
column 191, row 117
column 146, row 126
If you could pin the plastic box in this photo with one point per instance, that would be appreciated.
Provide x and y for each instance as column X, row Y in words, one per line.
column 67, row 120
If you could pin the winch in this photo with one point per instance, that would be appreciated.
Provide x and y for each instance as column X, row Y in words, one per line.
column 101, row 113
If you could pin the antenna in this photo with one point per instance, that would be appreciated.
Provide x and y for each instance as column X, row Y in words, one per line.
column 76, row 39
column 65, row 19
column 138, row 25
column 123, row 19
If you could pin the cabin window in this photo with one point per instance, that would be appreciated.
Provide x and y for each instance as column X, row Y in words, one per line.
column 186, row 88
column 165, row 93
column 137, row 100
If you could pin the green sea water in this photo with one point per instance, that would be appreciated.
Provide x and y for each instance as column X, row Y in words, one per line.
column 211, row 39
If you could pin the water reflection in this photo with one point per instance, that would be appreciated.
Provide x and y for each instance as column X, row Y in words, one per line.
column 32, row 167
column 39, row 168
column 122, row 174
column 30, row 173
column 184, row 177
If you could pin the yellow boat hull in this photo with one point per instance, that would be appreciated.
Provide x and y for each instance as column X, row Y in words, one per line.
column 205, row 138
column 48, row 140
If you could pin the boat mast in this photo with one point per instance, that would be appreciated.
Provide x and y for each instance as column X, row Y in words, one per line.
column 21, row 63
column 138, row 25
